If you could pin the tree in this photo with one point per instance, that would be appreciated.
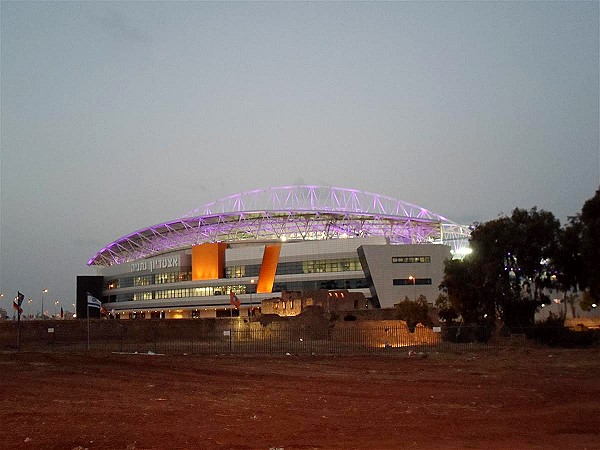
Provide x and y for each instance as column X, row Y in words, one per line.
column 464, row 284
column 590, row 246
column 577, row 258
column 508, row 270
column 567, row 262
column 413, row 312
column 446, row 310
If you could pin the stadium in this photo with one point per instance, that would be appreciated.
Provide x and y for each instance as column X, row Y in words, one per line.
column 255, row 245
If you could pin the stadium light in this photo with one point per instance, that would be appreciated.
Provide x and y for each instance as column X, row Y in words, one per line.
column 43, row 292
column 464, row 251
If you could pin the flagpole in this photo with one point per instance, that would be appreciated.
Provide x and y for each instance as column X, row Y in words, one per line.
column 19, row 329
column 88, row 326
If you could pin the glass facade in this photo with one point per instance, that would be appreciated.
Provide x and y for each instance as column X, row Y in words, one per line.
column 154, row 291
column 148, row 280
column 331, row 265
column 358, row 283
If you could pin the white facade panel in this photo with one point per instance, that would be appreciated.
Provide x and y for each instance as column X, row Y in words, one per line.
column 384, row 271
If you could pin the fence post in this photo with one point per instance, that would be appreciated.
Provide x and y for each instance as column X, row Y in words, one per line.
column 230, row 340
column 155, row 338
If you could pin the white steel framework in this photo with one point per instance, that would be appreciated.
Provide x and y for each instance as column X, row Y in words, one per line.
column 291, row 213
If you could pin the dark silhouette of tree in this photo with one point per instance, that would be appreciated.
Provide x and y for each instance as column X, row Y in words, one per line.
column 516, row 260
column 567, row 262
column 590, row 247
column 414, row 312
column 505, row 275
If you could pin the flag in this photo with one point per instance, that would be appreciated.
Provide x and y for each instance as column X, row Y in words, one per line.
column 62, row 314
column 93, row 301
column 233, row 299
column 18, row 302
column 103, row 311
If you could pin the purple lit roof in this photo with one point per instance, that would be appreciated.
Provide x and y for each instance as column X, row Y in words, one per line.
column 295, row 213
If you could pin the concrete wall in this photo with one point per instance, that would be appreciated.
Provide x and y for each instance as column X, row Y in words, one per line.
column 383, row 271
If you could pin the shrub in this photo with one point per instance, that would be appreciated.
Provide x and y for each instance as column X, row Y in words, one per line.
column 553, row 333
column 414, row 312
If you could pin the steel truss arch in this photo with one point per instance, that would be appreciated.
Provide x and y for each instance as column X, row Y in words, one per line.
column 293, row 213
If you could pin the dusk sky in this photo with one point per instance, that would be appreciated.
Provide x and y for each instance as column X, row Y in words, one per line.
column 119, row 115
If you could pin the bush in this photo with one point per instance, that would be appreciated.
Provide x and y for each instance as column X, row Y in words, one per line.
column 553, row 333
column 414, row 312
column 465, row 333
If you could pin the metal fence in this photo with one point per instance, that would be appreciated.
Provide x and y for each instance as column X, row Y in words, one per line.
column 244, row 341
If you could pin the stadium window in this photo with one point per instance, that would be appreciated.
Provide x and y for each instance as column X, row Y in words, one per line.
column 410, row 259
column 411, row 281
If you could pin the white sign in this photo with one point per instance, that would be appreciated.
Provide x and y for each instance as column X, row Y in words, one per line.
column 437, row 329
column 226, row 333
column 50, row 330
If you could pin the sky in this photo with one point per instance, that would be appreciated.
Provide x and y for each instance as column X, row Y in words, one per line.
column 120, row 115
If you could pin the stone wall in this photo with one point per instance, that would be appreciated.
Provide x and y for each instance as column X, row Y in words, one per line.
column 312, row 324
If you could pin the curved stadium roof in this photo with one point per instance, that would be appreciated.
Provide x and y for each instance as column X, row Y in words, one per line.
column 291, row 213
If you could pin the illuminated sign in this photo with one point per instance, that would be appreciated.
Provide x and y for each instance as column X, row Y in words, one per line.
column 153, row 264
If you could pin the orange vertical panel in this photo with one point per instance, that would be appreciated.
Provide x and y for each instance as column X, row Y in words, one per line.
column 208, row 261
column 268, row 269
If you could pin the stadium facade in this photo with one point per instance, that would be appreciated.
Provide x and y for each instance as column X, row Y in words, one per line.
column 260, row 243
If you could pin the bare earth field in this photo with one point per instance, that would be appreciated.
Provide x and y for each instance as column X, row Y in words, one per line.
column 498, row 399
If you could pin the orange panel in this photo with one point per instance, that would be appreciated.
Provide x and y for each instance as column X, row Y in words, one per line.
column 268, row 269
column 208, row 261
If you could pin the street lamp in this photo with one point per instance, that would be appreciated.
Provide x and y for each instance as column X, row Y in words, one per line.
column 29, row 307
column 56, row 302
column 43, row 292
column 251, row 293
column 414, row 283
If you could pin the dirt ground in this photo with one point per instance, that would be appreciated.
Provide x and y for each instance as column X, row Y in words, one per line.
column 488, row 399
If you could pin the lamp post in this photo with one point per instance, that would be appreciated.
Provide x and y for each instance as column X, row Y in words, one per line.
column 43, row 292
column 29, row 307
column 56, row 302
column 251, row 296
column 411, row 278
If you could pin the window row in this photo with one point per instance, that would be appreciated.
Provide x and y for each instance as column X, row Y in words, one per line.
column 251, row 270
column 238, row 289
column 411, row 281
column 331, row 265
column 148, row 280
column 298, row 267
column 410, row 259
column 185, row 292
